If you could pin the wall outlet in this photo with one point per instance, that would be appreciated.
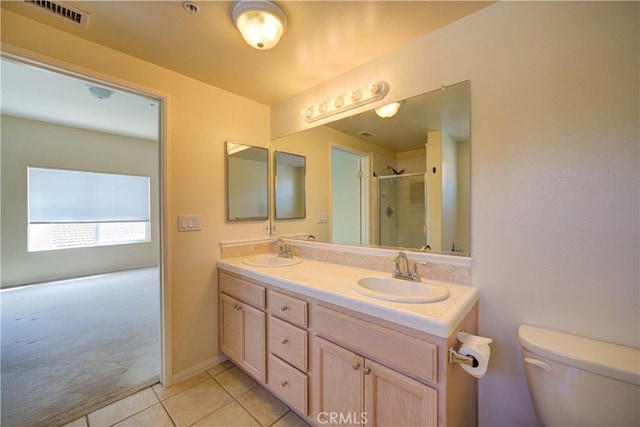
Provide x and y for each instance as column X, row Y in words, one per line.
column 266, row 228
column 322, row 218
column 273, row 228
column 189, row 223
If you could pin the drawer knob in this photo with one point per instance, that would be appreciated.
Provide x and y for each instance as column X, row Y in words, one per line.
column 367, row 371
column 355, row 365
column 284, row 308
column 284, row 340
column 236, row 307
column 283, row 383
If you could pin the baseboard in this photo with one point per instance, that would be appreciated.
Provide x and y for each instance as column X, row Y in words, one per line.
column 200, row 367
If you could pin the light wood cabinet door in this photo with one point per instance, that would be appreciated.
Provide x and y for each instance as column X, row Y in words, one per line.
column 255, row 347
column 393, row 399
column 243, row 335
column 231, row 327
column 339, row 385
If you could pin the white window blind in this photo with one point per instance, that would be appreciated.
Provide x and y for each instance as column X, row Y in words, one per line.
column 67, row 196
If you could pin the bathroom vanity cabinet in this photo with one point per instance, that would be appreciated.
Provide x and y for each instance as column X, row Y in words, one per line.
column 336, row 366
column 288, row 343
column 350, row 382
column 366, row 392
column 242, row 325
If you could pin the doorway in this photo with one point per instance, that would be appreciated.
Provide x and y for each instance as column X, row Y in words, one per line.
column 59, row 123
column 349, row 196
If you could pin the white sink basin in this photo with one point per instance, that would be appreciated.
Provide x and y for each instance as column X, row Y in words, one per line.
column 271, row 261
column 389, row 289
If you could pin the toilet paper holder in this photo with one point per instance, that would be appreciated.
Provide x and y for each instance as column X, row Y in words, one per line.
column 455, row 357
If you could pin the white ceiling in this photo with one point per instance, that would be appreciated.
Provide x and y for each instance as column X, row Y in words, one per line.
column 39, row 94
column 323, row 39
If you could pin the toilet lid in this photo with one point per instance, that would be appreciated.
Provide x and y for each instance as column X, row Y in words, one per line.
column 611, row 360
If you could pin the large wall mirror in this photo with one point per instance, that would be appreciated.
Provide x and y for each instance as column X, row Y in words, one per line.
column 290, row 173
column 414, row 175
column 247, row 182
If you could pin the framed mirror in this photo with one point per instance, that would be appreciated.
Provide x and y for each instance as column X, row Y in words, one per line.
column 429, row 136
column 247, row 182
column 290, row 183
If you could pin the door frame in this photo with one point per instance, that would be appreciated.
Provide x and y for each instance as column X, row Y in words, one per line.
column 365, row 197
column 91, row 76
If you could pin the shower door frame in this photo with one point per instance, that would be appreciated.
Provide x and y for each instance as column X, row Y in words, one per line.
column 379, row 213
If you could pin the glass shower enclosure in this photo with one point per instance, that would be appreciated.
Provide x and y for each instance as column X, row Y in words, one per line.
column 402, row 210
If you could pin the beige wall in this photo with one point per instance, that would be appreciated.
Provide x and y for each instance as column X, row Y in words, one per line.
column 200, row 118
column 464, row 192
column 435, row 211
column 554, row 170
column 554, row 153
column 316, row 144
column 30, row 142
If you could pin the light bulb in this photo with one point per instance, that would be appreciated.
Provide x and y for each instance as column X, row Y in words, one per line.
column 388, row 110
column 261, row 23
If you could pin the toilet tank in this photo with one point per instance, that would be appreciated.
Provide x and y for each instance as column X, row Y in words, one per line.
column 578, row 381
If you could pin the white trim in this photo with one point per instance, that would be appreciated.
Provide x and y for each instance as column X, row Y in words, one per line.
column 25, row 56
column 166, row 319
column 364, row 162
column 365, row 199
column 200, row 367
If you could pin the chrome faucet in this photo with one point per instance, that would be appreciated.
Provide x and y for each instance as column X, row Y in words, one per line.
column 415, row 276
column 284, row 250
column 402, row 270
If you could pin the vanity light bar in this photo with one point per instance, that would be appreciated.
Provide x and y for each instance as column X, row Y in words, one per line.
column 347, row 101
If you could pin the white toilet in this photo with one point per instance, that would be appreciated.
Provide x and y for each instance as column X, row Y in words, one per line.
column 578, row 381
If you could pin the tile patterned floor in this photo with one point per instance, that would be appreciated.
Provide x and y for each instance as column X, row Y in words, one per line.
column 222, row 396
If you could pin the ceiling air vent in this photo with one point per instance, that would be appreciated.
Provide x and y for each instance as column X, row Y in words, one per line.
column 366, row 134
column 62, row 10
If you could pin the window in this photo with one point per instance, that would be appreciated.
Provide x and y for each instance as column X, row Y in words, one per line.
column 71, row 209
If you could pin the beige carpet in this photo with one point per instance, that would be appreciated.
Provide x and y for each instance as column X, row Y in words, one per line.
column 73, row 346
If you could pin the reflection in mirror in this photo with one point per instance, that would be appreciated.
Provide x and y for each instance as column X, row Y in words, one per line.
column 247, row 182
column 401, row 200
column 290, row 172
column 428, row 136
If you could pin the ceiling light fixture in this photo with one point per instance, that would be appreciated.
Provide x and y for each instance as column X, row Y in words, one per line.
column 347, row 101
column 191, row 7
column 100, row 92
column 261, row 23
column 389, row 110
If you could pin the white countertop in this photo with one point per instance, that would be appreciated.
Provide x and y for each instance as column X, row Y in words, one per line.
column 330, row 283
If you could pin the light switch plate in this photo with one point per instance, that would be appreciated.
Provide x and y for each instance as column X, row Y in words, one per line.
column 189, row 223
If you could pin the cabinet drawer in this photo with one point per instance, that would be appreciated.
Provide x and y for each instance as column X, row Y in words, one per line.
column 289, row 384
column 288, row 308
column 288, row 342
column 243, row 290
column 408, row 354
